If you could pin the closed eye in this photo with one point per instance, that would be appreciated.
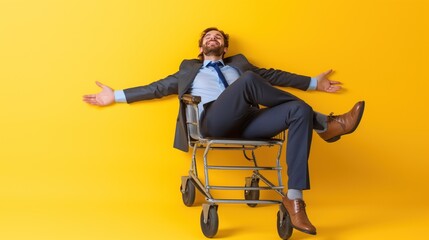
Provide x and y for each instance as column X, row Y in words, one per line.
column 217, row 36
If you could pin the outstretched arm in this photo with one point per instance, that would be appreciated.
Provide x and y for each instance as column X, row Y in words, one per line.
column 326, row 85
column 103, row 98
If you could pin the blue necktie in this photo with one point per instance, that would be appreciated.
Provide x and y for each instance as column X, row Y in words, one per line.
column 216, row 65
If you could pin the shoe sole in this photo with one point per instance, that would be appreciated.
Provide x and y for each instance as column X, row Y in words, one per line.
column 336, row 138
column 304, row 231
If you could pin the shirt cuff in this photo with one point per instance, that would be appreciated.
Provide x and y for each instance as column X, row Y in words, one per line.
column 120, row 96
column 313, row 84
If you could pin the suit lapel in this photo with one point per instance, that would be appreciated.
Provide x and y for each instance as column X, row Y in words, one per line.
column 238, row 62
column 189, row 78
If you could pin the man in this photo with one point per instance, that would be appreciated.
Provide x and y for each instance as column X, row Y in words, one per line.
column 231, row 90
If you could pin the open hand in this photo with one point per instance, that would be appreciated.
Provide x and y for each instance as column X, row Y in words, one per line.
column 326, row 85
column 103, row 98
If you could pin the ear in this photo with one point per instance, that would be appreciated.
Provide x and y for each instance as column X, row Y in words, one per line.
column 225, row 50
column 201, row 49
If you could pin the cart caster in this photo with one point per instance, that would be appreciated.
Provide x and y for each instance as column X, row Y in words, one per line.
column 284, row 225
column 209, row 220
column 188, row 191
column 252, row 194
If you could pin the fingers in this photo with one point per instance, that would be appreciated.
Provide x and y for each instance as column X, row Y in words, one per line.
column 103, row 98
column 99, row 84
column 324, row 75
column 327, row 72
column 103, row 87
column 91, row 99
column 335, row 82
column 88, row 98
column 332, row 89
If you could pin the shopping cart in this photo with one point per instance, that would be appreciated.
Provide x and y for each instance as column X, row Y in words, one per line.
column 209, row 219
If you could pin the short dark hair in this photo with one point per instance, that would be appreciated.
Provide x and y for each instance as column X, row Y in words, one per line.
column 200, row 42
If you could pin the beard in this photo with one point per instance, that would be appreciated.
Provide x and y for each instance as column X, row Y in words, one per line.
column 213, row 50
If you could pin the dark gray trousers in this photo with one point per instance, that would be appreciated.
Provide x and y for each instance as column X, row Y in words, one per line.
column 235, row 114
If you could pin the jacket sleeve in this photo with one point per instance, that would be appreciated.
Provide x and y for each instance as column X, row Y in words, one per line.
column 161, row 88
column 158, row 89
column 274, row 76
column 284, row 79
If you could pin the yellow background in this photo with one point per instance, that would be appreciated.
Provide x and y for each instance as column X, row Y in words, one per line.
column 72, row 171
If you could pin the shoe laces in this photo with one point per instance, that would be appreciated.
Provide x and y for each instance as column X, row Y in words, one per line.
column 332, row 117
column 299, row 205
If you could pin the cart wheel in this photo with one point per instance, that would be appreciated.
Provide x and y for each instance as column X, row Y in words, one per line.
column 284, row 225
column 210, row 227
column 188, row 196
column 252, row 194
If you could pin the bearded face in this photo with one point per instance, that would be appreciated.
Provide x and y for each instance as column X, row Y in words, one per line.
column 213, row 44
column 213, row 48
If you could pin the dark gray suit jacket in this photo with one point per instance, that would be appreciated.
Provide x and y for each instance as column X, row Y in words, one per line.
column 181, row 81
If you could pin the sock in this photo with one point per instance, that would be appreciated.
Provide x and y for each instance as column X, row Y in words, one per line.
column 320, row 123
column 293, row 194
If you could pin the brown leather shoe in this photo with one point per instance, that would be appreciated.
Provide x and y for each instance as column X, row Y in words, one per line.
column 298, row 216
column 343, row 124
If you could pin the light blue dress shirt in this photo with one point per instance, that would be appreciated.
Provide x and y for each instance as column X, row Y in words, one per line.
column 208, row 85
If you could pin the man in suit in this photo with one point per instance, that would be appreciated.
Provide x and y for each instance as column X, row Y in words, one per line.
column 231, row 90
